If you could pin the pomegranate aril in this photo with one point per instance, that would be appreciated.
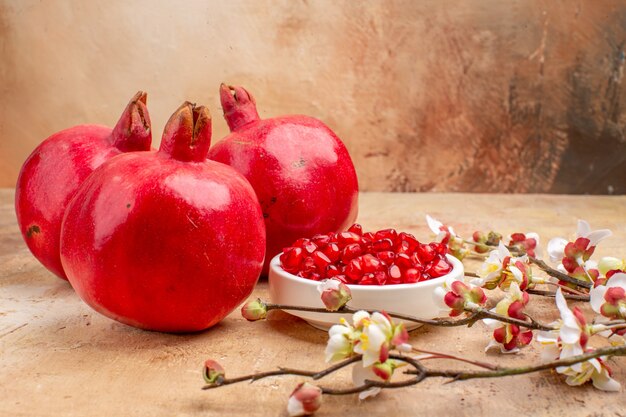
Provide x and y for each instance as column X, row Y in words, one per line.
column 415, row 261
column 403, row 260
column 410, row 239
column 291, row 258
column 350, row 252
column 354, row 270
column 342, row 278
column 308, row 265
column 402, row 246
column 439, row 267
column 440, row 248
column 382, row 245
column 394, row 272
column 370, row 263
column 332, row 271
column 368, row 237
column 390, row 234
column 368, row 279
column 321, row 260
column 388, row 257
column 426, row 253
column 315, row 276
column 333, row 252
column 321, row 240
column 346, row 238
column 381, row 277
column 412, row 275
column 356, row 228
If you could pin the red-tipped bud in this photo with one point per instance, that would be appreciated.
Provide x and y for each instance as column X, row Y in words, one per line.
column 305, row 400
column 335, row 294
column 213, row 372
column 254, row 310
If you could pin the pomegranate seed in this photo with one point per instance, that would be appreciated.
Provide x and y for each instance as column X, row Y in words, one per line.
column 370, row 263
column 415, row 260
column 321, row 260
column 354, row 269
column 308, row 265
column 333, row 252
column 356, row 228
column 410, row 239
column 390, row 234
column 368, row 279
column 368, row 237
column 315, row 276
column 381, row 277
column 440, row 248
column 439, row 268
column 341, row 278
column 321, row 240
column 426, row 253
column 394, row 272
column 403, row 246
column 350, row 252
column 345, row 238
column 412, row 275
column 382, row 245
column 332, row 271
column 403, row 260
column 291, row 258
column 387, row 257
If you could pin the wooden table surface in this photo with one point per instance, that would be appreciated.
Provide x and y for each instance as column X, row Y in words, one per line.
column 60, row 358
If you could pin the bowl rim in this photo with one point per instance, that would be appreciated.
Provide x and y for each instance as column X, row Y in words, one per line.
column 456, row 265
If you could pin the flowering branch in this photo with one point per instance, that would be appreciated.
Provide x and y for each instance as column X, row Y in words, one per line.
column 477, row 313
column 421, row 372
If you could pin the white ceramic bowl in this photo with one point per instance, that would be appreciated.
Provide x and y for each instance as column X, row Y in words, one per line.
column 412, row 299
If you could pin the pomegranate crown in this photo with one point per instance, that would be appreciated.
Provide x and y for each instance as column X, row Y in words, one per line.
column 133, row 130
column 238, row 105
column 187, row 134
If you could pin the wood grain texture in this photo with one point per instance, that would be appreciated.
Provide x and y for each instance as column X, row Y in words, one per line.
column 59, row 358
column 482, row 96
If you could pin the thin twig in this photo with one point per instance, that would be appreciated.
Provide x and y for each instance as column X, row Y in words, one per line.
column 557, row 274
column 439, row 355
column 465, row 375
column 478, row 313
column 283, row 371
column 553, row 294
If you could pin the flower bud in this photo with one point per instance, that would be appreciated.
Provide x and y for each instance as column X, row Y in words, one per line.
column 335, row 294
column 305, row 400
column 213, row 372
column 254, row 310
column 384, row 370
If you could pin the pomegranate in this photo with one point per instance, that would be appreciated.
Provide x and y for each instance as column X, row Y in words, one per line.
column 165, row 240
column 381, row 258
column 301, row 171
column 56, row 168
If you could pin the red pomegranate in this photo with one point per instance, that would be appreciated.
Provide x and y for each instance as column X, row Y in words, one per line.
column 165, row 240
column 56, row 168
column 301, row 171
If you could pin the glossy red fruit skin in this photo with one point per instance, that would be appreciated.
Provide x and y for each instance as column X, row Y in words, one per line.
column 165, row 240
column 57, row 167
column 301, row 171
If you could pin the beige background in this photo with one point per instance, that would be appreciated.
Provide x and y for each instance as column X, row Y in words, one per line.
column 483, row 95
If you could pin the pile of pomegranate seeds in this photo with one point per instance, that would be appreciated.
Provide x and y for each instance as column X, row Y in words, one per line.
column 374, row 258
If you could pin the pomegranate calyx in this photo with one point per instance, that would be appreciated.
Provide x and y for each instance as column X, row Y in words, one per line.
column 238, row 105
column 133, row 130
column 187, row 134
